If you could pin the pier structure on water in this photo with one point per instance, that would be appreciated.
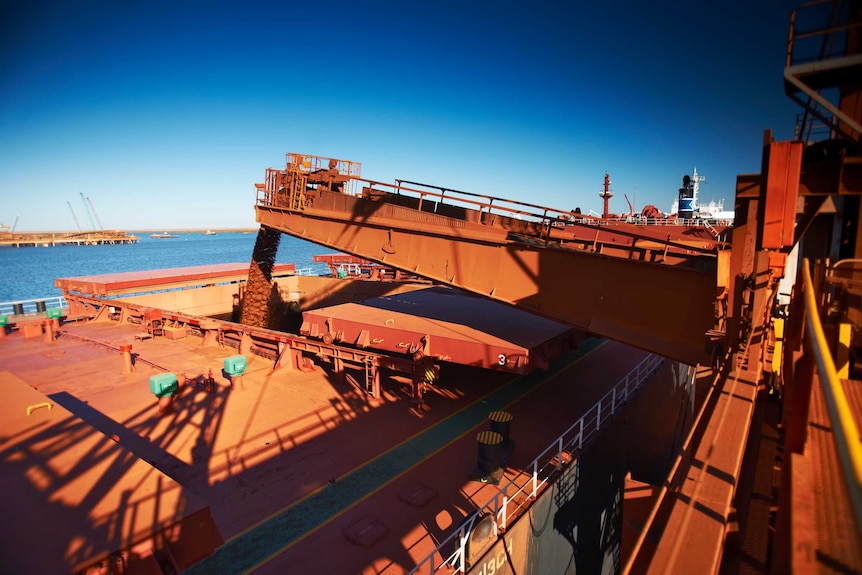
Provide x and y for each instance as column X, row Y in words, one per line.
column 48, row 239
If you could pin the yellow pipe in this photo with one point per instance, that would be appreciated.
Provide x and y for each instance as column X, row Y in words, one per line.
column 33, row 408
column 778, row 350
column 846, row 432
column 842, row 354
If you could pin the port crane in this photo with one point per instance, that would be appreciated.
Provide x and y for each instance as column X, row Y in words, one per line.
column 95, row 215
column 91, row 212
column 74, row 217
column 7, row 228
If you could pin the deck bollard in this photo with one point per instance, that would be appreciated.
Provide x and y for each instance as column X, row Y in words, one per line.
column 488, row 463
column 489, row 451
column 128, row 366
column 501, row 422
column 164, row 386
column 17, row 309
column 234, row 367
column 4, row 321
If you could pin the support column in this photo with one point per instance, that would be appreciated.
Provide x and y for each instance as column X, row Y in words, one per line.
column 128, row 366
column 338, row 368
column 49, row 331
column 418, row 388
column 285, row 358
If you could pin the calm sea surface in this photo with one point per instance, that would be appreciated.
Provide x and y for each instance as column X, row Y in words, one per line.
column 29, row 273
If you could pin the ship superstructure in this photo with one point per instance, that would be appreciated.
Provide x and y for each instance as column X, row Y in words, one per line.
column 687, row 204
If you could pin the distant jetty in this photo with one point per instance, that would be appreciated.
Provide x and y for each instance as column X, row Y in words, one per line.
column 49, row 239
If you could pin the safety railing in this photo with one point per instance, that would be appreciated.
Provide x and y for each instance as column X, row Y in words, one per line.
column 540, row 222
column 842, row 284
column 845, row 431
column 660, row 222
column 821, row 42
column 308, row 164
column 32, row 306
column 512, row 500
column 438, row 197
column 317, row 270
column 819, row 31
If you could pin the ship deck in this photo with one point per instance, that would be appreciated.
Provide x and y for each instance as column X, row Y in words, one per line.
column 297, row 462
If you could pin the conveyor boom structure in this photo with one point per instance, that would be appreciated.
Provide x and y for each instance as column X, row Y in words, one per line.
column 659, row 296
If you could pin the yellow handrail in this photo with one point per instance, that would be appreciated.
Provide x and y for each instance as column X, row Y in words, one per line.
column 33, row 408
column 846, row 432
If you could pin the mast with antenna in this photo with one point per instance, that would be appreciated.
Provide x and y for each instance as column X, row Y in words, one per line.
column 606, row 194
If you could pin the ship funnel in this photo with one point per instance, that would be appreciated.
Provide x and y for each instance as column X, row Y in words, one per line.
column 686, row 199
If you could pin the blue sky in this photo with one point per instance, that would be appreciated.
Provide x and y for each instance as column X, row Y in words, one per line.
column 165, row 114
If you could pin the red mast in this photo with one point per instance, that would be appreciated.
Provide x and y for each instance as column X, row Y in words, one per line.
column 606, row 195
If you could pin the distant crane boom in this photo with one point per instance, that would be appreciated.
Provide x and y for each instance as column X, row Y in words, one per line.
column 15, row 225
column 87, row 209
column 95, row 215
column 74, row 217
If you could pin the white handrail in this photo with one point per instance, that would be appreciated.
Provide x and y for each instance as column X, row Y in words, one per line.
column 548, row 462
column 32, row 306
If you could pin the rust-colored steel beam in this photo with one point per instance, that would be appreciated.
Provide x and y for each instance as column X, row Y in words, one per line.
column 783, row 165
column 819, row 177
column 663, row 309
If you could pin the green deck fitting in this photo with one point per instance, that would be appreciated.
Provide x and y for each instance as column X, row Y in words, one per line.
column 163, row 384
column 235, row 365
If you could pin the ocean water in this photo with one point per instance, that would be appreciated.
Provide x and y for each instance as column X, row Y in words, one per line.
column 29, row 273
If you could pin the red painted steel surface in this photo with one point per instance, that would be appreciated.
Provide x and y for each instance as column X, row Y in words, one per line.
column 73, row 496
column 784, row 164
column 660, row 308
column 447, row 325
column 338, row 259
column 249, row 454
column 152, row 279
